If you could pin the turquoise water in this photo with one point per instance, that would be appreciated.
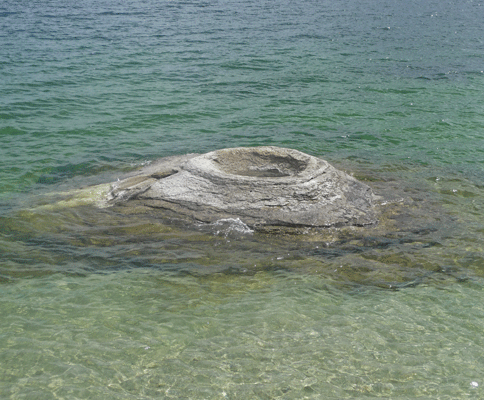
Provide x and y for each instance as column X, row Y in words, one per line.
column 100, row 303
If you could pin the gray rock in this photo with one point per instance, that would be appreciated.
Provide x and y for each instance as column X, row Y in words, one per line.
column 263, row 186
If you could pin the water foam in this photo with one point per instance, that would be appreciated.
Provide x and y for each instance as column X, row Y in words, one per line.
column 227, row 226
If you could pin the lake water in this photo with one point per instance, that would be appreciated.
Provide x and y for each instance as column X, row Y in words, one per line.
column 96, row 303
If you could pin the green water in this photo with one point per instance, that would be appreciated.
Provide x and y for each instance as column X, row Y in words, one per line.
column 150, row 335
column 104, row 303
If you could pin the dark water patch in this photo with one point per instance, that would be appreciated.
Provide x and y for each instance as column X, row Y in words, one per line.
column 365, row 244
column 4, row 14
column 67, row 171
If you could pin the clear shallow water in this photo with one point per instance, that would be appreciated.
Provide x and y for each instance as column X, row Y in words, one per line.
column 99, row 304
column 149, row 335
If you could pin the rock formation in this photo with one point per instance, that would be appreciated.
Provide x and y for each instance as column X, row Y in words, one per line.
column 263, row 186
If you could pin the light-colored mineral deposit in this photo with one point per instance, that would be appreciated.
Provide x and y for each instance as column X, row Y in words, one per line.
column 263, row 186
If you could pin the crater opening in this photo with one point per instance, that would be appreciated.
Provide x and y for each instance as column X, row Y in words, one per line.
column 260, row 164
column 262, row 186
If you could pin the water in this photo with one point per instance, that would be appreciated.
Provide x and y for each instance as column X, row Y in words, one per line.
column 98, row 303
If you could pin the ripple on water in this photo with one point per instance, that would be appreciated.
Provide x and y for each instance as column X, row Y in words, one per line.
column 284, row 335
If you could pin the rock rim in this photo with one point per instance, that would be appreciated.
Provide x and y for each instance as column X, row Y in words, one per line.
column 262, row 186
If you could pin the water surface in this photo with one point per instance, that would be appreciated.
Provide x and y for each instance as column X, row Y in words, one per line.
column 98, row 303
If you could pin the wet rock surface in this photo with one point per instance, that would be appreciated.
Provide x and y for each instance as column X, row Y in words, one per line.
column 263, row 186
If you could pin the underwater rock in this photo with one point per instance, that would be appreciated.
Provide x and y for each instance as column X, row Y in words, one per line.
column 263, row 186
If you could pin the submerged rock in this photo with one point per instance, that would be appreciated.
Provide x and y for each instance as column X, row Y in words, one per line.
column 262, row 186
